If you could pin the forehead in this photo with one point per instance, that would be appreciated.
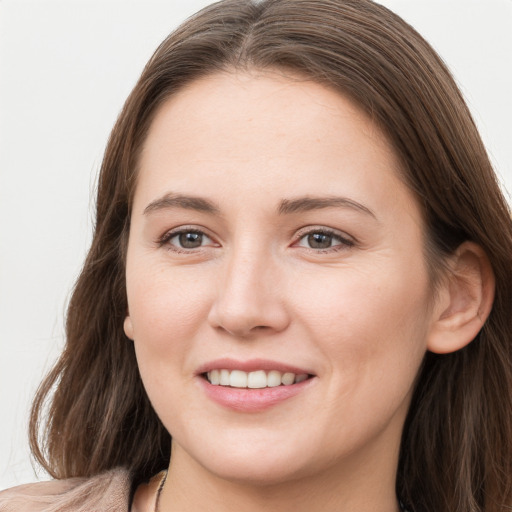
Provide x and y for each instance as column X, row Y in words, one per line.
column 232, row 134
column 256, row 103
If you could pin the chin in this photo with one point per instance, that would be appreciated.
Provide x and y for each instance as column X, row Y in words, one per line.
column 255, row 462
column 262, row 473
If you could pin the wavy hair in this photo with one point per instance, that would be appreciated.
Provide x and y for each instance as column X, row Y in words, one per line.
column 91, row 413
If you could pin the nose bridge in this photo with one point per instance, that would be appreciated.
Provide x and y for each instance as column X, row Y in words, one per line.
column 248, row 297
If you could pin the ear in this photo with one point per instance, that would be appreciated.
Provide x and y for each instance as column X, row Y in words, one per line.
column 464, row 300
column 128, row 327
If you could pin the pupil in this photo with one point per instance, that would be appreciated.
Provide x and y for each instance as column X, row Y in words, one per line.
column 319, row 241
column 191, row 240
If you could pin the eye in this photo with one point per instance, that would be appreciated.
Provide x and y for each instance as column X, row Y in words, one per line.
column 323, row 239
column 186, row 239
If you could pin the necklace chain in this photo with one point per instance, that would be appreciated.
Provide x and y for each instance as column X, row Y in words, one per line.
column 159, row 492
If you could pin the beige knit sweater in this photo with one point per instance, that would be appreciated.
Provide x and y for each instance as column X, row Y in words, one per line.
column 107, row 492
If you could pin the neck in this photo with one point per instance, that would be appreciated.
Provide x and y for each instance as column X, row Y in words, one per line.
column 355, row 487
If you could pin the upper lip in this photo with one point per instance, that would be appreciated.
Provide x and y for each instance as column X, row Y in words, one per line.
column 250, row 366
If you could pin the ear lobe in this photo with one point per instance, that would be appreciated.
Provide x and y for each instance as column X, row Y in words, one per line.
column 464, row 300
column 128, row 327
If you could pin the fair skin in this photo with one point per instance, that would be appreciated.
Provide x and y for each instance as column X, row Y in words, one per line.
column 270, row 231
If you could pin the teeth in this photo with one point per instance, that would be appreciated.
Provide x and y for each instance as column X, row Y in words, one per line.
column 224, row 377
column 273, row 379
column 214, row 377
column 301, row 377
column 257, row 380
column 288, row 378
column 238, row 379
column 254, row 380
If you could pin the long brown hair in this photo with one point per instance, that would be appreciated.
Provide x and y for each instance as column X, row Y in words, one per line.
column 456, row 452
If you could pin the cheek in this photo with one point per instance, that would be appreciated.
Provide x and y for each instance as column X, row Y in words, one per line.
column 369, row 322
column 165, row 311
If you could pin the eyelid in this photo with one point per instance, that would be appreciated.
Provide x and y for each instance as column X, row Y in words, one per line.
column 345, row 239
column 171, row 233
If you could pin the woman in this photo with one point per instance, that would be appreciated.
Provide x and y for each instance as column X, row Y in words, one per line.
column 299, row 282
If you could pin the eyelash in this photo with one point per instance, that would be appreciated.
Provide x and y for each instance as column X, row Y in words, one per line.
column 344, row 242
column 169, row 235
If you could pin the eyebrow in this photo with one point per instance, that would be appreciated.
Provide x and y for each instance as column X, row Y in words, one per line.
column 307, row 203
column 181, row 201
column 286, row 206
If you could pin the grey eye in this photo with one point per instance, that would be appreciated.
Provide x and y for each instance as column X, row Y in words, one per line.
column 319, row 240
column 187, row 239
column 324, row 239
column 190, row 240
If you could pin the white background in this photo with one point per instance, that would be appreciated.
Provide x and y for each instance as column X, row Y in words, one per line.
column 65, row 69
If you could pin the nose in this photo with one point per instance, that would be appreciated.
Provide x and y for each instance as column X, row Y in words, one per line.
column 250, row 298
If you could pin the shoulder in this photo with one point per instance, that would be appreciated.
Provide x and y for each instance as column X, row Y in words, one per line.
column 108, row 492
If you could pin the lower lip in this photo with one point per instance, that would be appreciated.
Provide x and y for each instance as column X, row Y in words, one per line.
column 252, row 400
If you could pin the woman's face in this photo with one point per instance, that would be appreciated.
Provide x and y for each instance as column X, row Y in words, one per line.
column 271, row 235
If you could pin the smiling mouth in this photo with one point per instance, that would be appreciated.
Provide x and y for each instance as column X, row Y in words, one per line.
column 253, row 380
